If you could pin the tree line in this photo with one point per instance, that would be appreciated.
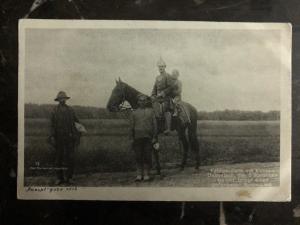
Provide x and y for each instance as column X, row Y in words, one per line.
column 87, row 112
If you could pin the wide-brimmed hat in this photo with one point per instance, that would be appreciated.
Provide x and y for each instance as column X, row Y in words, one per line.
column 61, row 95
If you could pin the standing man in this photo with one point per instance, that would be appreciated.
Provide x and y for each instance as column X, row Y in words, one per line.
column 161, row 95
column 64, row 136
column 144, row 134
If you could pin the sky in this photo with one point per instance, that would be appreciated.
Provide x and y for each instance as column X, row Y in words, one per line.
column 219, row 69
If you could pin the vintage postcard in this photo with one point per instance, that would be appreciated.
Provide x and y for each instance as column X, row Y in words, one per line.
column 154, row 111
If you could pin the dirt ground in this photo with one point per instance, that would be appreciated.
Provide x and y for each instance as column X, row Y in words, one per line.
column 245, row 174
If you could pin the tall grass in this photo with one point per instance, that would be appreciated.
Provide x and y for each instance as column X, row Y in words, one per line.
column 106, row 146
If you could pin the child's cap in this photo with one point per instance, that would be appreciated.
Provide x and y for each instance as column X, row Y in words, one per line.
column 175, row 73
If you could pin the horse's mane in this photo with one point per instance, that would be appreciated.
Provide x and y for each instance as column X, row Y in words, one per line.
column 131, row 89
column 132, row 95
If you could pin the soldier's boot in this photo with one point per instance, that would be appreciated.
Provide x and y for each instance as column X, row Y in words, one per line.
column 168, row 120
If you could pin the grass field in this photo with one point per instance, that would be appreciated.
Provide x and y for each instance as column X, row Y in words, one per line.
column 106, row 148
column 173, row 177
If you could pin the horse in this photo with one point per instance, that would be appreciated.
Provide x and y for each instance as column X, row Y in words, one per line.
column 187, row 133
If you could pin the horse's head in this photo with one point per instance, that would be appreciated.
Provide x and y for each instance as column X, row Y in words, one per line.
column 123, row 92
column 117, row 97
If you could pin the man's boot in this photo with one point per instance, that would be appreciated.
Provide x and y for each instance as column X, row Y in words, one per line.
column 168, row 118
column 147, row 173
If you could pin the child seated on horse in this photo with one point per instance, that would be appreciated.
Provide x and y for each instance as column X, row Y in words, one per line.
column 176, row 90
column 144, row 135
column 179, row 108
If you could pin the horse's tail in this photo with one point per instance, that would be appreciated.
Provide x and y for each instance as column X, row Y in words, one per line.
column 193, row 128
column 193, row 116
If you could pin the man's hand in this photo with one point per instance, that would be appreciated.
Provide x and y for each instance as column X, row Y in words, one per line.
column 155, row 144
column 161, row 94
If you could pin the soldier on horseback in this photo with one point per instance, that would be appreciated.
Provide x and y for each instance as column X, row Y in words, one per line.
column 163, row 91
column 166, row 97
column 161, row 95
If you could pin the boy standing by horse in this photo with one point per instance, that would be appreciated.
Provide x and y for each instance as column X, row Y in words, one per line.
column 144, row 134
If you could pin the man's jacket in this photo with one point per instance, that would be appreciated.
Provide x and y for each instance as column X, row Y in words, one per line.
column 143, row 123
column 162, row 85
column 63, row 120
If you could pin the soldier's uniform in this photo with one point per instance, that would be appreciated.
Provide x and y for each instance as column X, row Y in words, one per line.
column 65, row 136
column 162, row 90
column 161, row 95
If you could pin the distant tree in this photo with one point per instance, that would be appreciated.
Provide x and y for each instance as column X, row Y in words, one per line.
column 88, row 112
column 238, row 115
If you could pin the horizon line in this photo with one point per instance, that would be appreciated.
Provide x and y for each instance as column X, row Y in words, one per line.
column 102, row 107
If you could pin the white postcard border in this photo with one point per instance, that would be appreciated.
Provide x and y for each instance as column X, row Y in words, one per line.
column 281, row 193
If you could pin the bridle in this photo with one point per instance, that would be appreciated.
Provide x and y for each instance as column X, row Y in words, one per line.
column 122, row 106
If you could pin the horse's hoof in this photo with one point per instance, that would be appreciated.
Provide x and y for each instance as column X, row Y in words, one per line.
column 147, row 178
column 161, row 177
column 138, row 178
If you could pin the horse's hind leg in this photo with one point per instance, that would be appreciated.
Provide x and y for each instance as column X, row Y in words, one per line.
column 185, row 146
column 194, row 146
column 157, row 164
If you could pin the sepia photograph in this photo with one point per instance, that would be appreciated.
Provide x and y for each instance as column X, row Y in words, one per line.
column 154, row 111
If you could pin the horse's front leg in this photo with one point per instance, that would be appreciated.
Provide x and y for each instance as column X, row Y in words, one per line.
column 157, row 163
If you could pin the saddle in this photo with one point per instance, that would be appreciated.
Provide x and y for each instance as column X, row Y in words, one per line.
column 183, row 113
column 180, row 114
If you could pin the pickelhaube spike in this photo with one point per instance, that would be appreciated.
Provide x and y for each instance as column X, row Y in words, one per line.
column 161, row 62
